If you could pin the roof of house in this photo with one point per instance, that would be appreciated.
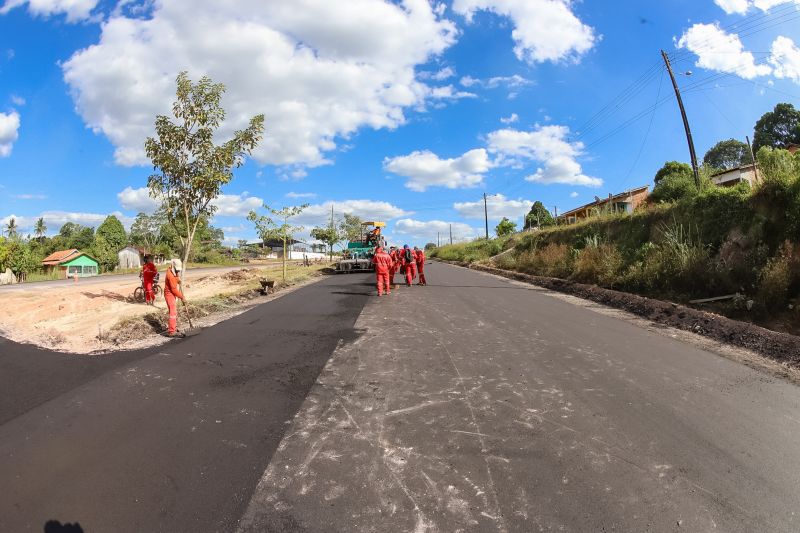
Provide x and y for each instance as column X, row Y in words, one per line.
column 60, row 256
column 618, row 196
column 64, row 256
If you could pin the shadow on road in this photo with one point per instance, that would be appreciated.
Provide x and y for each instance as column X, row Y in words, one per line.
column 110, row 296
column 54, row 526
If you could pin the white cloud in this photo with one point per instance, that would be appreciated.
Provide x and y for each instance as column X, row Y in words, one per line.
column 319, row 214
column 75, row 10
column 449, row 92
column 721, row 51
column 301, row 195
column 785, row 59
column 573, row 194
column 563, row 170
column 510, row 120
column 428, row 230
column 497, row 207
column 318, row 70
column 740, row 7
column 30, row 196
column 544, row 30
column 733, row 6
column 425, row 169
column 440, row 75
column 549, row 146
column 9, row 132
column 137, row 200
column 17, row 100
column 236, row 205
column 512, row 82
column 228, row 205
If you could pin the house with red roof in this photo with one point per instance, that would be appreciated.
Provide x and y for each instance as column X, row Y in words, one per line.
column 71, row 263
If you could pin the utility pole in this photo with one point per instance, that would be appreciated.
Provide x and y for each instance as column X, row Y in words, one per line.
column 692, row 153
column 438, row 241
column 331, row 235
column 486, row 216
column 451, row 234
column 753, row 157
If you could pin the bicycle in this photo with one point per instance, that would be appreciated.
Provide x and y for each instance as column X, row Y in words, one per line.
column 139, row 292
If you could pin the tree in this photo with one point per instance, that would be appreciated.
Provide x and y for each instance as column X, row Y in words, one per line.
column 673, row 169
column 728, row 154
column 330, row 235
column 505, row 227
column 267, row 228
column 539, row 216
column 11, row 228
column 146, row 230
column 675, row 181
column 351, row 227
column 40, row 228
column 777, row 128
column 191, row 169
column 430, row 246
column 109, row 239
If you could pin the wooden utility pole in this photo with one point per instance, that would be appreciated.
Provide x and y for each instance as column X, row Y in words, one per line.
column 692, row 153
column 438, row 240
column 486, row 216
column 753, row 157
column 451, row 234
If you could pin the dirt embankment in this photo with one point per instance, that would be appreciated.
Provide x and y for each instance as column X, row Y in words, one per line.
column 780, row 347
column 103, row 316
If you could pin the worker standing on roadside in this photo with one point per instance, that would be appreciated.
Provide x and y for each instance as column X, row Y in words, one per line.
column 172, row 291
column 149, row 273
column 395, row 265
column 383, row 265
column 419, row 256
column 410, row 264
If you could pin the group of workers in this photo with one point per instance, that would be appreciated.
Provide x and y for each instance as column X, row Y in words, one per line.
column 409, row 262
column 172, row 289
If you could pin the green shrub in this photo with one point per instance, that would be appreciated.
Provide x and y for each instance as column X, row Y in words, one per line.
column 773, row 289
column 553, row 260
column 598, row 263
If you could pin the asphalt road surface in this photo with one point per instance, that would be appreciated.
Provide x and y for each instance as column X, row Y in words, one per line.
column 472, row 404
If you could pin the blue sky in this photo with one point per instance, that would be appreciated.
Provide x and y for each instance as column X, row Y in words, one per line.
column 401, row 111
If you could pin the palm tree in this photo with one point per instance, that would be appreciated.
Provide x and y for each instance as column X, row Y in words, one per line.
column 40, row 228
column 11, row 228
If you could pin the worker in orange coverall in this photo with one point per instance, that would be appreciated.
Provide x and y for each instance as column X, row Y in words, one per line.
column 410, row 264
column 149, row 273
column 393, row 253
column 383, row 265
column 419, row 256
column 172, row 291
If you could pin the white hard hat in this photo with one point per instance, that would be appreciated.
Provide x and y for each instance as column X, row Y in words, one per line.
column 177, row 265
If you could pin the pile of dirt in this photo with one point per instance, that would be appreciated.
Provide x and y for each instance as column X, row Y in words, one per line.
column 244, row 274
column 780, row 347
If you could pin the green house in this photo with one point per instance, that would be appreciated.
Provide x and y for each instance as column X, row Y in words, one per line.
column 71, row 263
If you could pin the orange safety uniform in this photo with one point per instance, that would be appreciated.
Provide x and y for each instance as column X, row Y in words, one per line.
column 172, row 291
column 420, row 260
column 383, row 265
column 149, row 273
column 409, row 264
column 395, row 265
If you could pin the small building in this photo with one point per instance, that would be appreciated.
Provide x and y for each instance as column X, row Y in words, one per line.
column 70, row 263
column 734, row 176
column 625, row 202
column 129, row 257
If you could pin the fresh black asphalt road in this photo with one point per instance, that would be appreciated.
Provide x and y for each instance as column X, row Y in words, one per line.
column 170, row 439
column 472, row 404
